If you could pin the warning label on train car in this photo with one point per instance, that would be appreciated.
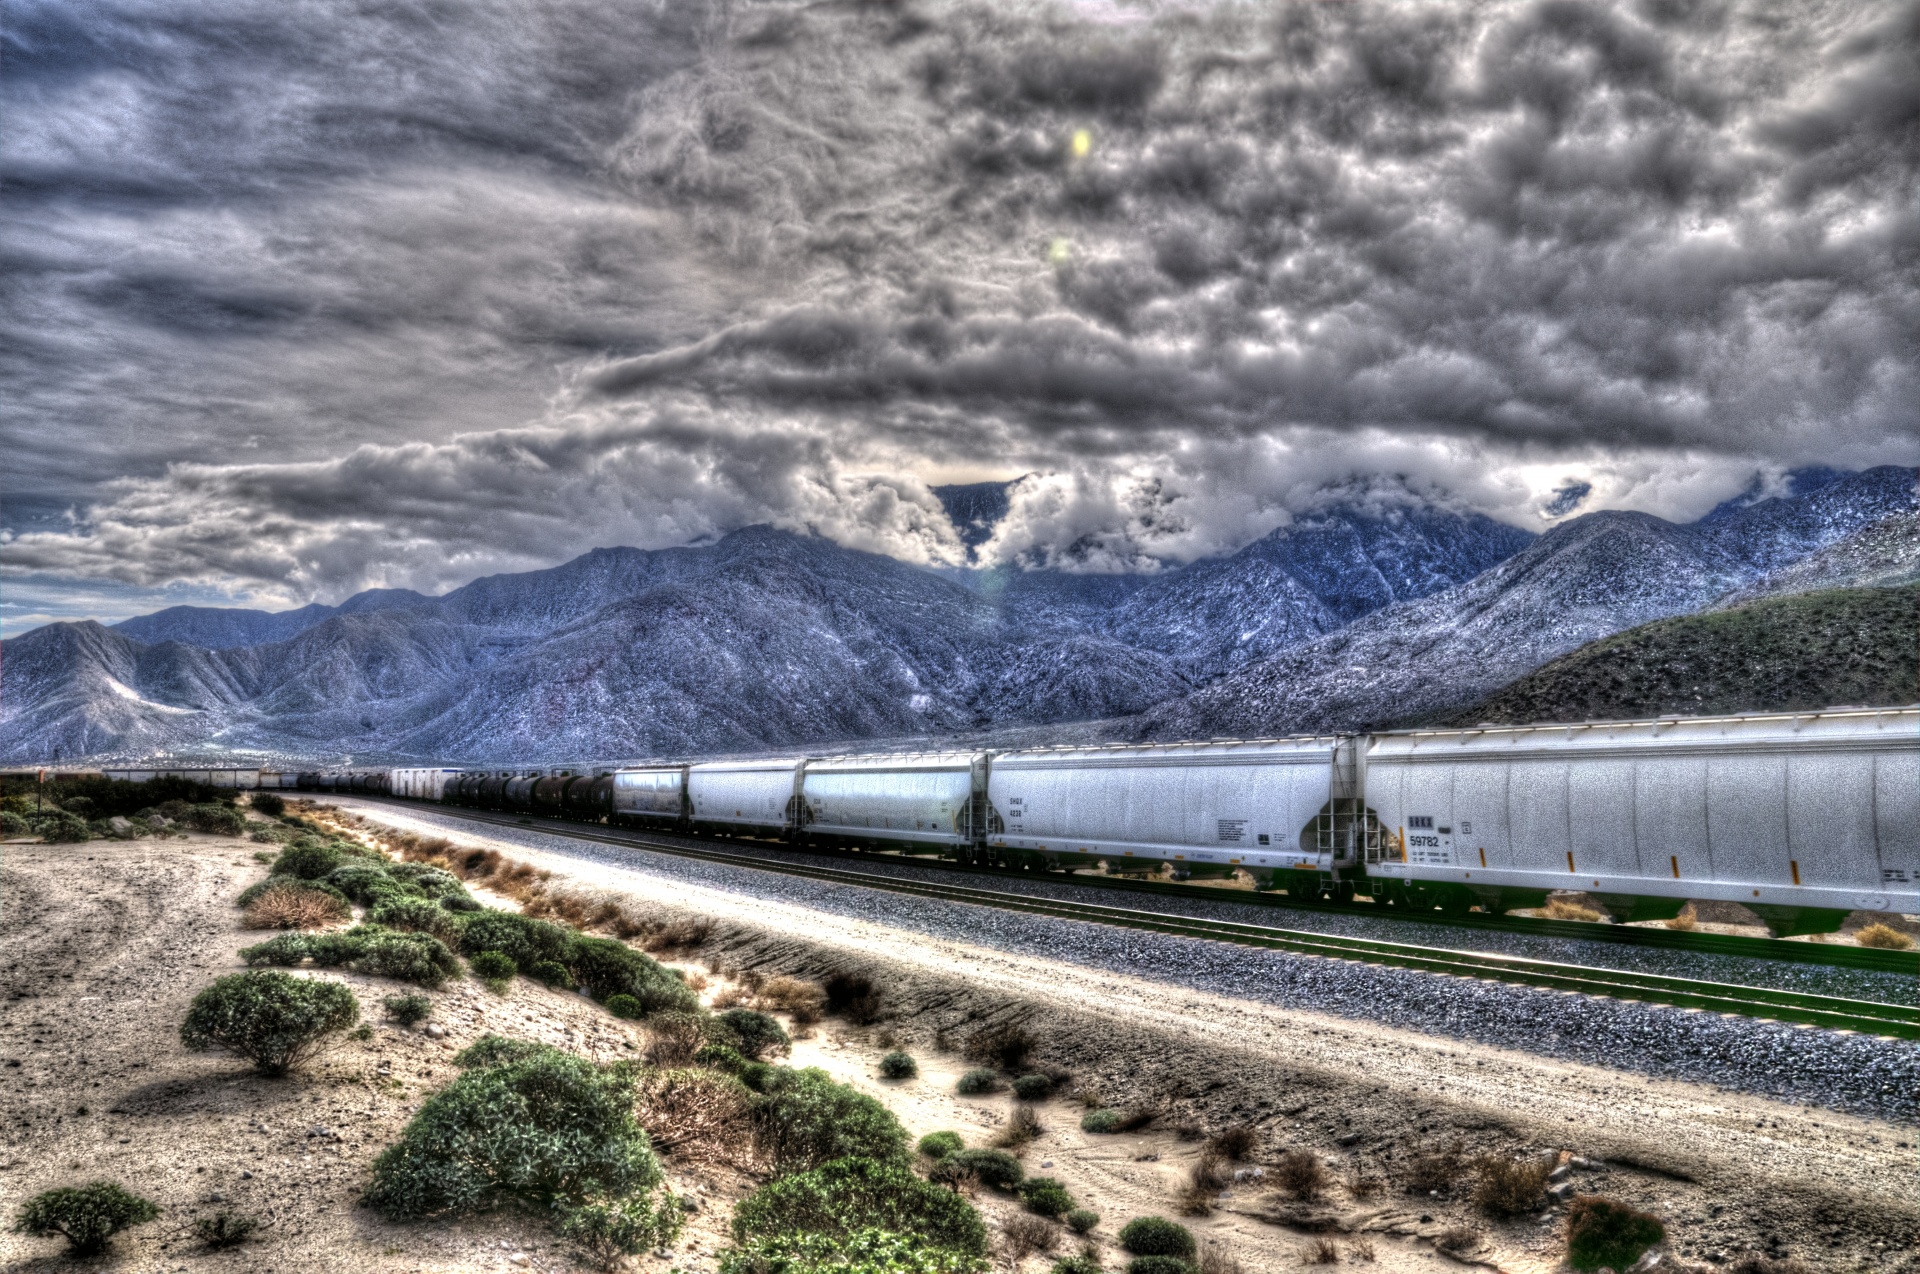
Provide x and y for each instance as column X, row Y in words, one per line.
column 1233, row 830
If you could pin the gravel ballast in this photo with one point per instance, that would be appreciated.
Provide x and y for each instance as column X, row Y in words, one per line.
column 1861, row 1074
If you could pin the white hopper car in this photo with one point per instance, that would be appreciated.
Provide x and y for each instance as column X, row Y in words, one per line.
column 1801, row 817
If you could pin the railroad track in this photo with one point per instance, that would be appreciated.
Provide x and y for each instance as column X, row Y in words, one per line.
column 1828, row 1012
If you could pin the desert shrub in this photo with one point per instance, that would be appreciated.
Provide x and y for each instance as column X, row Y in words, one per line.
column 12, row 824
column 607, row 1233
column 1235, row 1142
column 1885, row 937
column 809, row 1120
column 898, row 1065
column 269, row 804
column 1511, row 1187
column 854, row 997
column 802, row 1000
column 1157, row 1236
column 523, row 940
column 224, row 1229
column 1301, row 1174
column 865, row 1252
column 1026, row 1234
column 368, row 884
column 674, row 1038
column 938, row 1145
column 1082, row 1220
column 1022, row 1128
column 1045, row 1197
column 1159, row 1265
column 604, row 967
column 754, row 1034
column 994, row 1168
column 1033, row 1087
column 1436, row 1170
column 551, row 973
column 86, row 1216
column 696, row 1114
column 1006, row 1046
column 461, row 903
column 417, row 915
column 845, row 1196
column 1603, row 1232
column 677, row 935
column 495, row 968
column 976, row 1082
column 426, row 880
column 1084, row 1263
column 408, row 1010
column 1456, row 1240
column 274, row 1020
column 547, row 1129
column 251, row 894
column 496, row 1050
column 624, row 1006
column 1758, row 1263
column 371, row 949
column 288, row 906
column 310, row 860
column 221, row 820
column 57, row 827
column 1103, row 1121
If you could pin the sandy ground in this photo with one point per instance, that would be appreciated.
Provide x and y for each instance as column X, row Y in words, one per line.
column 106, row 944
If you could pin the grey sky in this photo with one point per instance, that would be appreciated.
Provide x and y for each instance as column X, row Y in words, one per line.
column 302, row 298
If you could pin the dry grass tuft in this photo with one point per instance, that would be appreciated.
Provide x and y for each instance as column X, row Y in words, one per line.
column 731, row 997
column 1026, row 1234
column 697, row 1116
column 1235, row 1142
column 1022, row 1130
column 1361, row 1250
column 1511, row 1187
column 1439, row 1170
column 1301, row 1174
column 679, row 935
column 1563, row 909
column 1215, row 1259
column 1365, row 1186
column 1686, row 922
column 291, row 908
column 854, row 997
column 1005, row 1045
column 673, row 1039
column 1883, row 937
column 800, row 999
column 1206, row 1178
column 1458, row 1241
column 1320, row 1252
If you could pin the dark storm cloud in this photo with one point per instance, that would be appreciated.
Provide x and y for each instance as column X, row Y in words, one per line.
column 341, row 294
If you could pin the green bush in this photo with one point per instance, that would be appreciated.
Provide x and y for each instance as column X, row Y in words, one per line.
column 496, row 1050
column 495, row 968
column 551, row 973
column 1082, row 1220
column 625, row 1006
column 221, row 820
column 57, row 827
column 604, row 967
column 1102, row 1120
column 224, row 1229
column 86, row 1216
column 11, row 824
column 311, row 860
column 607, row 1232
column 865, row 1252
column 1045, row 1197
column 1157, row 1236
column 1033, row 1087
column 547, row 1129
column 274, row 1020
column 938, row 1145
column 522, row 939
column 370, row 949
column 994, row 1168
column 269, row 804
column 898, row 1065
column 417, row 915
column 1085, row 1263
column 1159, row 1265
column 757, row 1033
column 253, row 891
column 408, row 1009
column 721, row 1057
column 1603, row 1232
column 977, row 1082
column 808, row 1120
column 461, row 903
column 845, row 1196
column 366, row 883
column 429, row 882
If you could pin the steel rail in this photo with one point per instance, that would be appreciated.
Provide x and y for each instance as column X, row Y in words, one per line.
column 1829, row 1012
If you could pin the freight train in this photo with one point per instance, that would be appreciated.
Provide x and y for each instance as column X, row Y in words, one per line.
column 1802, row 817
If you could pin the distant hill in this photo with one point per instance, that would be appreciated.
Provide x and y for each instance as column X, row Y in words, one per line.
column 1851, row 646
column 1883, row 554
